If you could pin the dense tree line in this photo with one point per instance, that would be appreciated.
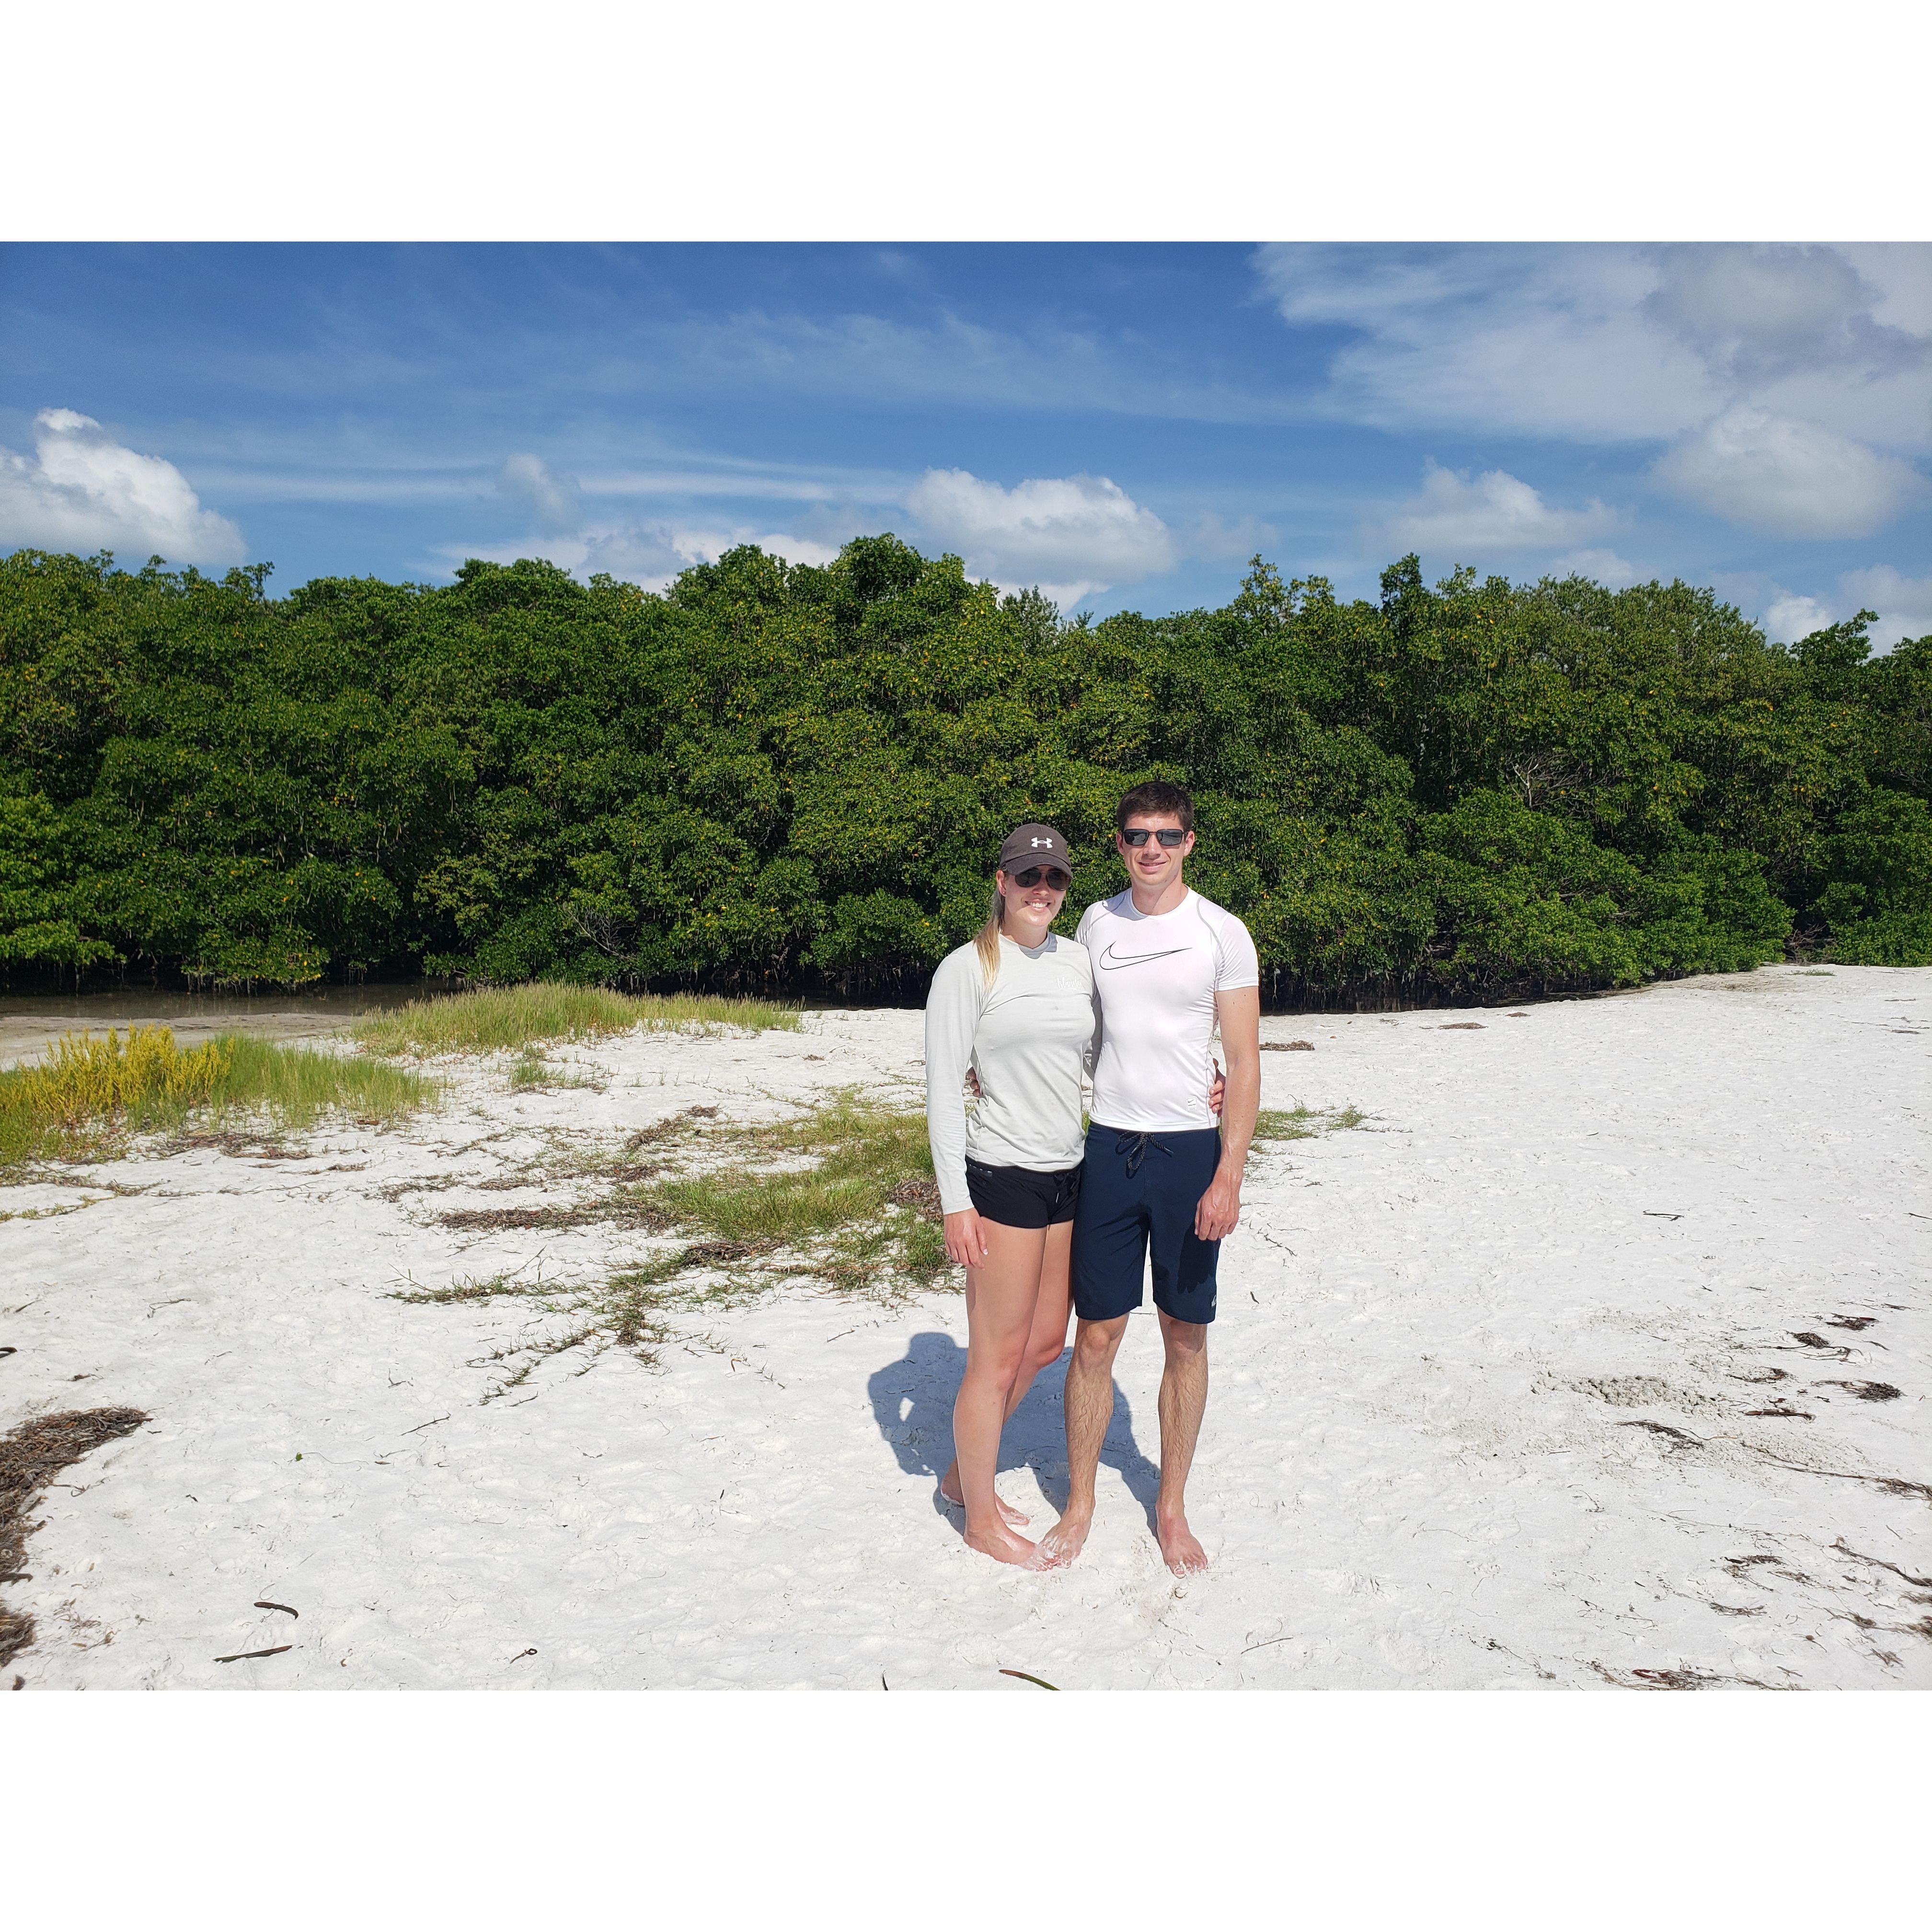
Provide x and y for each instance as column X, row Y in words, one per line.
column 783, row 776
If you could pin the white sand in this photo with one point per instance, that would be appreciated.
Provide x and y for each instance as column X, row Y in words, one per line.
column 1419, row 1467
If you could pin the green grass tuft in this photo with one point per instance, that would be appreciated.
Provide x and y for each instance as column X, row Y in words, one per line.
column 470, row 1289
column 1304, row 1124
column 296, row 1087
column 532, row 1073
column 495, row 1017
column 859, row 1152
column 843, row 1193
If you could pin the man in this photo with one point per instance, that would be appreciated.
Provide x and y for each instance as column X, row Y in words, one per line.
column 1168, row 967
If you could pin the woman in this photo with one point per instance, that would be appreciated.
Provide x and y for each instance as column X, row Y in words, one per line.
column 1015, row 1006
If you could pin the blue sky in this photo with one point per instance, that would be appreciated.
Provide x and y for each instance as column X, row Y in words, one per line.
column 1122, row 425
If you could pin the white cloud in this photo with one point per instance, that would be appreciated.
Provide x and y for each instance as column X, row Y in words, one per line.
column 553, row 500
column 1615, row 343
column 1792, row 381
column 1750, row 312
column 1601, row 566
column 1073, row 536
column 707, row 546
column 1903, row 279
column 1534, row 340
column 81, row 490
column 1903, row 604
column 949, row 359
column 1464, row 519
column 1209, row 537
column 1789, row 617
column 649, row 554
column 1786, row 477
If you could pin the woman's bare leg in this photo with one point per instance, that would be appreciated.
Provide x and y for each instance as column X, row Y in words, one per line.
column 1045, row 1343
column 1002, row 1294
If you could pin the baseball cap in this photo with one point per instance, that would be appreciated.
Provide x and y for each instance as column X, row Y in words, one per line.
column 1034, row 845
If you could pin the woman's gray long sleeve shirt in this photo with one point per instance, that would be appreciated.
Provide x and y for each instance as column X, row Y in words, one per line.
column 1029, row 1037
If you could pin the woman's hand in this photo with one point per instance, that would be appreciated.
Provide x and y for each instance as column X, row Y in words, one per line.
column 1216, row 1088
column 965, row 1239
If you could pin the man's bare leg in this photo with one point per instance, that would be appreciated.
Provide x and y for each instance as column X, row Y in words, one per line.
column 1089, row 1408
column 1183, row 1401
column 1045, row 1345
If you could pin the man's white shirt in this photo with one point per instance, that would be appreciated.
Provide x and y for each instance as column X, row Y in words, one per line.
column 1155, row 977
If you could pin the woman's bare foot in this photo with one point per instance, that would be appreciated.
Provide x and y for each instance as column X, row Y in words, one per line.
column 950, row 1492
column 1064, row 1540
column 1180, row 1547
column 1001, row 1545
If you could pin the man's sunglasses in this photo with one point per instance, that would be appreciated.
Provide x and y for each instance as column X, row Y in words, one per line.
column 1169, row 835
column 1034, row 875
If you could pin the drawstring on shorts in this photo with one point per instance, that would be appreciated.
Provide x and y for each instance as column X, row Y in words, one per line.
column 1138, row 1146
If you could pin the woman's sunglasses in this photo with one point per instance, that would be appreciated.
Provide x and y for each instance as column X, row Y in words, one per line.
column 1034, row 875
column 1169, row 835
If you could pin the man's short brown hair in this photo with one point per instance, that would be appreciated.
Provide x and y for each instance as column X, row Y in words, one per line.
column 1156, row 798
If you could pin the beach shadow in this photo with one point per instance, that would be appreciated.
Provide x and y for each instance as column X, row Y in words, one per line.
column 912, row 1403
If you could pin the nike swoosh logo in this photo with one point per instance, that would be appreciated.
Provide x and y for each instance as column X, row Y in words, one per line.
column 1113, row 965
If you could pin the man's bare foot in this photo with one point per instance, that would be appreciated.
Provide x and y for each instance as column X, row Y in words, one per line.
column 950, row 1492
column 1064, row 1541
column 1180, row 1547
column 1002, row 1546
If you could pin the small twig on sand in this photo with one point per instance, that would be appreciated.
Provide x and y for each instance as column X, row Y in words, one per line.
column 1682, row 1438
column 1893, row 1486
column 1030, row 1678
column 1917, row 1582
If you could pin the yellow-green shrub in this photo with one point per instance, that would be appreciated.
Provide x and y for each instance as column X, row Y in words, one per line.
column 89, row 1089
column 85, row 1078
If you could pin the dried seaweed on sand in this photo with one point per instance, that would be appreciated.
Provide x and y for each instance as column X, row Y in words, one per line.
column 31, row 1458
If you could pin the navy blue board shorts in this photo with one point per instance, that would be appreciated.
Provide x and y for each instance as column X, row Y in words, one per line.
column 1017, row 1197
column 1137, row 1195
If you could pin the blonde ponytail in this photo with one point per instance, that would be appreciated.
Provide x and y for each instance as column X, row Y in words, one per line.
column 987, row 939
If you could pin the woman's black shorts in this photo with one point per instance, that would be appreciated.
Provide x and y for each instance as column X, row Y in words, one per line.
column 1016, row 1197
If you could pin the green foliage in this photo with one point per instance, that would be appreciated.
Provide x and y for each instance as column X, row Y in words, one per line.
column 776, row 775
column 1879, row 904
column 37, row 925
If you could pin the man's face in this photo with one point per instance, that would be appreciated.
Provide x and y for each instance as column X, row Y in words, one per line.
column 1150, row 863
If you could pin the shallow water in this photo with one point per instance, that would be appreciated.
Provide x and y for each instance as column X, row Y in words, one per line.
column 30, row 1022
